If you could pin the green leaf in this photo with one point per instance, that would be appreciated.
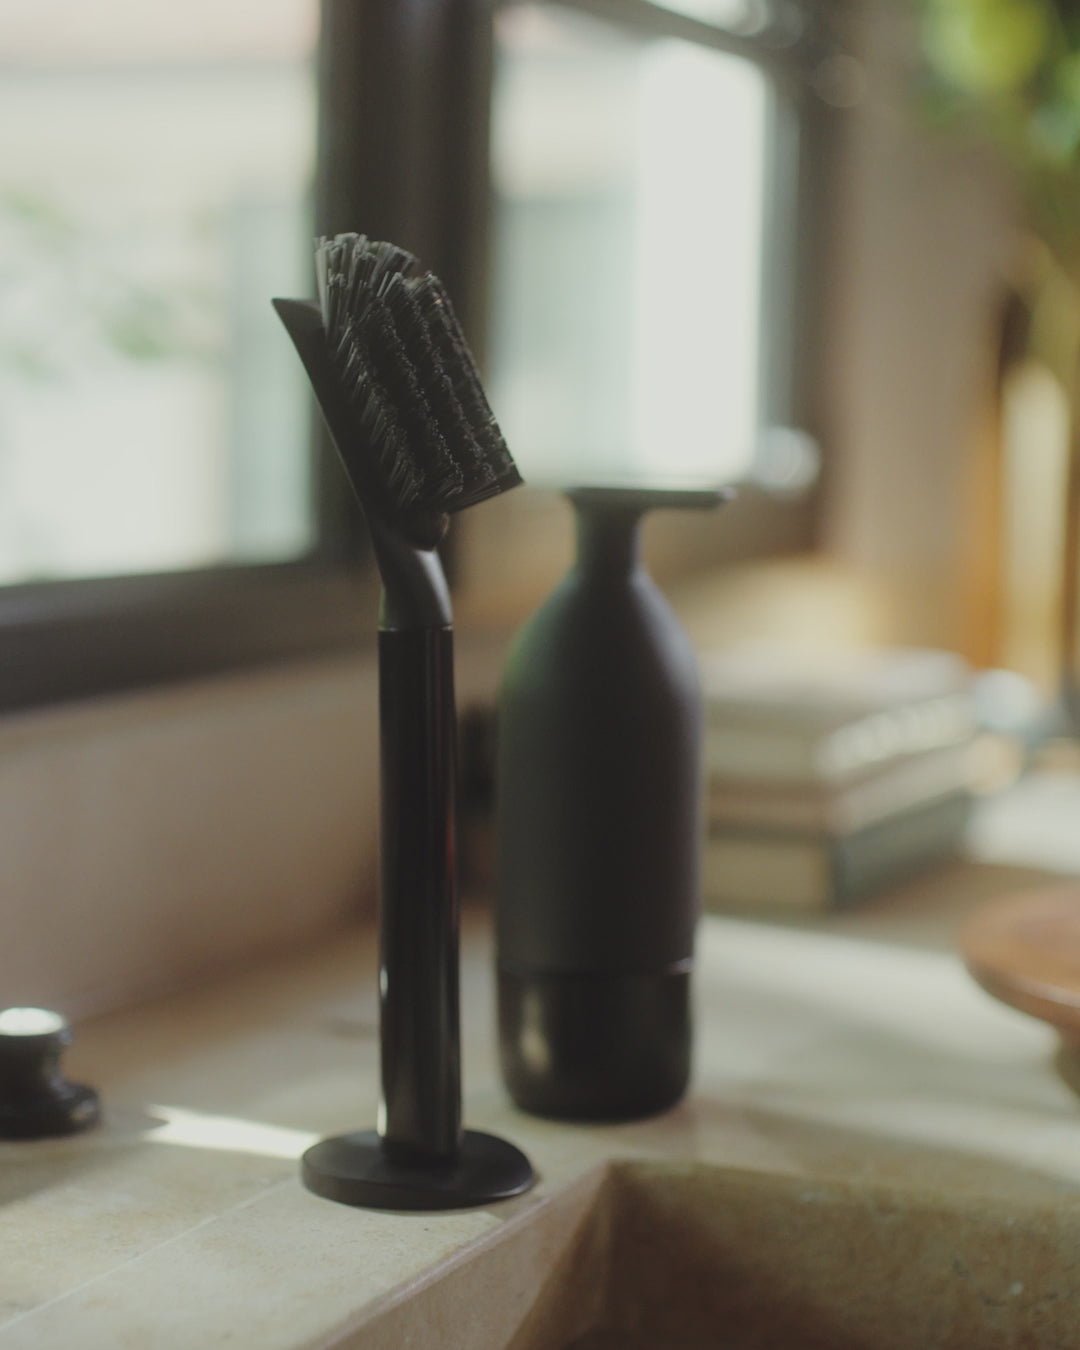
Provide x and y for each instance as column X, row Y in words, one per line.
column 986, row 46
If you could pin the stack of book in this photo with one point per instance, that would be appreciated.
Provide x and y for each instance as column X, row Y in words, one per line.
column 831, row 776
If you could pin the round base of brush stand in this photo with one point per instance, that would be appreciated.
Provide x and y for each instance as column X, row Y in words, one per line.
column 354, row 1169
column 595, row 1046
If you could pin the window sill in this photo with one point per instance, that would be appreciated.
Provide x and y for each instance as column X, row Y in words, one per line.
column 78, row 639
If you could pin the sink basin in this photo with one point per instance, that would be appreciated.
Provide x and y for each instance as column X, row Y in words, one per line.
column 643, row 1256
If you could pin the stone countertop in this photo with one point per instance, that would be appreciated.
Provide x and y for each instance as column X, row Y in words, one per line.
column 856, row 1048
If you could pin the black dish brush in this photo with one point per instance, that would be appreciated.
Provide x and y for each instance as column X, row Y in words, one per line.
column 402, row 398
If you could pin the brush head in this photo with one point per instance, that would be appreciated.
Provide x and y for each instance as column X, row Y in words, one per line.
column 421, row 439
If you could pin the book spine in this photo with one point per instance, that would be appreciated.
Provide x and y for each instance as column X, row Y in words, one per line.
column 823, row 808
column 890, row 851
column 779, row 750
column 772, row 871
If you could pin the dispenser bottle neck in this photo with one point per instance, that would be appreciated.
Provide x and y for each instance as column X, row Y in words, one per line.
column 608, row 540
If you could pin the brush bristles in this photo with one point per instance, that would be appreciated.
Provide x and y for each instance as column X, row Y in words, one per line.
column 429, row 440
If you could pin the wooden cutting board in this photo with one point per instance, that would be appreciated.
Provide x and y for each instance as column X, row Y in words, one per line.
column 1025, row 950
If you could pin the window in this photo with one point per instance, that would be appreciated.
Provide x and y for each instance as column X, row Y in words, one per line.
column 155, row 182
column 629, row 175
column 659, row 180
column 161, row 513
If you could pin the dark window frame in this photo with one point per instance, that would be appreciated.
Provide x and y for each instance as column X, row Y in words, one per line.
column 421, row 74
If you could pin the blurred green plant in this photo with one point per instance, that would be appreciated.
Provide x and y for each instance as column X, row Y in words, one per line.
column 73, row 289
column 1010, row 70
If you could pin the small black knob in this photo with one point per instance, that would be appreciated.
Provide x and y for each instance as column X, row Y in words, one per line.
column 36, row 1100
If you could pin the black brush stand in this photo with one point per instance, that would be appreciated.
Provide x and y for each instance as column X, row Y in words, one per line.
column 419, row 1158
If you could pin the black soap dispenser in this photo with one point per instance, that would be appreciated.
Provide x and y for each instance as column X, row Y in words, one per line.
column 599, row 830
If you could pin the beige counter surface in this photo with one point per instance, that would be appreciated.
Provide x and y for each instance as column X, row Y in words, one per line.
column 858, row 1049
